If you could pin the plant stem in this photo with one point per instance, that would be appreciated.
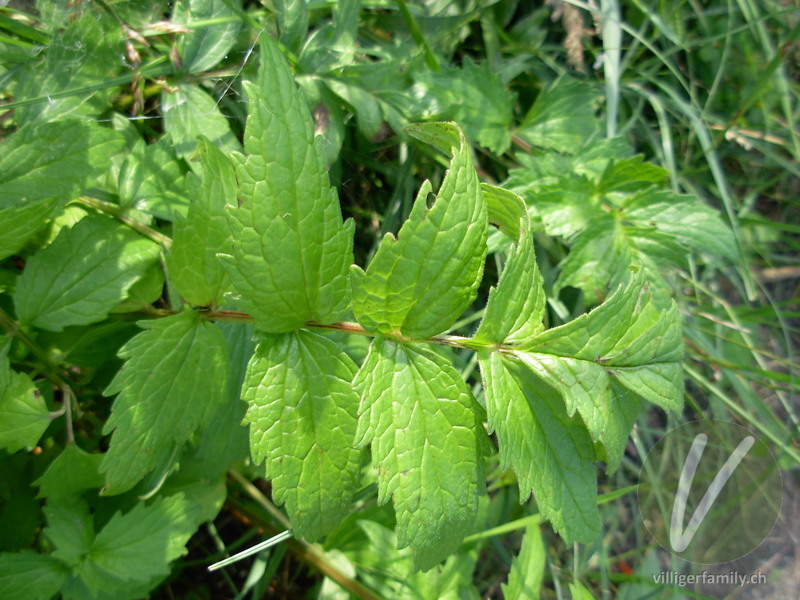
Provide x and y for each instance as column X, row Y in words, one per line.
column 51, row 370
column 456, row 341
column 119, row 214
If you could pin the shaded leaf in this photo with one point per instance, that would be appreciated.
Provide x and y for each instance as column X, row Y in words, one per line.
column 44, row 166
column 173, row 380
column 193, row 264
column 83, row 274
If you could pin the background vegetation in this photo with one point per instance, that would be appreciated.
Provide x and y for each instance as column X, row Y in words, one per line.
column 707, row 91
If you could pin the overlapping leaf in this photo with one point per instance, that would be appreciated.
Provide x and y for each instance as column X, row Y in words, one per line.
column 420, row 282
column 23, row 413
column 83, row 274
column 174, row 378
column 471, row 95
column 125, row 557
column 428, row 445
column 302, row 416
column 42, row 167
column 193, row 264
column 86, row 51
column 190, row 112
column 551, row 453
column 291, row 250
column 203, row 47
column 515, row 308
column 152, row 179
column 31, row 576
column 625, row 342
column 527, row 571
column 562, row 116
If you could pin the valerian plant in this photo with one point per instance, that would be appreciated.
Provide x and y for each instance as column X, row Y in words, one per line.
column 259, row 269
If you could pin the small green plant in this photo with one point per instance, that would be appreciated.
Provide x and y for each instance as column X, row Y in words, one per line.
column 204, row 278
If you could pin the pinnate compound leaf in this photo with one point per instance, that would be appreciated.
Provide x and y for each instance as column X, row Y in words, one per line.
column 204, row 47
column 291, row 251
column 551, row 453
column 302, row 416
column 527, row 571
column 44, row 166
column 193, row 264
column 428, row 445
column 174, row 378
column 420, row 282
column 30, row 576
column 83, row 274
column 23, row 414
column 625, row 342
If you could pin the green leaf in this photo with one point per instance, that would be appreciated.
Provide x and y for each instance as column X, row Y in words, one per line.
column 72, row 472
column 420, row 282
column 567, row 206
column 41, row 167
column 578, row 592
column 138, row 545
column 225, row 440
column 129, row 553
column 153, row 180
column 173, row 380
column 302, row 416
column 292, row 22
column 71, row 529
column 603, row 252
column 473, row 96
column 30, row 576
column 527, row 571
column 23, row 413
column 692, row 223
column 562, row 117
column 189, row 112
column 515, row 309
column 83, row 274
column 625, row 341
column 291, row 250
column 630, row 174
column 193, row 264
column 366, row 107
column 205, row 46
column 505, row 209
column 551, row 453
column 65, row 81
column 428, row 445
column 599, row 257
